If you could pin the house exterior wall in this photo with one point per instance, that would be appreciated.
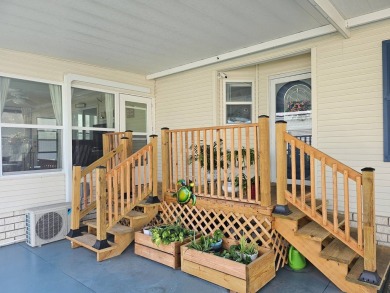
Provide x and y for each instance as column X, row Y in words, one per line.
column 18, row 192
column 347, row 99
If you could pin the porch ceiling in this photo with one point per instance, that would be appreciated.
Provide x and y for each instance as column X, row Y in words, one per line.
column 149, row 36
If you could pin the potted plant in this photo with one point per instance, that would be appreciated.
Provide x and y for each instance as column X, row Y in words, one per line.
column 236, row 183
column 202, row 154
column 248, row 249
column 208, row 242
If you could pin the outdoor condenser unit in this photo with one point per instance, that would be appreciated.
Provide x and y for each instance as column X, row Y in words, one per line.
column 47, row 223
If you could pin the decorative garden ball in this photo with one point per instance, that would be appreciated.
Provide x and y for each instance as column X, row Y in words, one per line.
column 184, row 194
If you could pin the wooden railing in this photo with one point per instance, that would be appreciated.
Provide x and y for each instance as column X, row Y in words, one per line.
column 85, row 181
column 338, row 184
column 211, row 157
column 84, row 185
column 131, row 181
column 112, row 140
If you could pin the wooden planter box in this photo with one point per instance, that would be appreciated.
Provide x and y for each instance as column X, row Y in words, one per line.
column 168, row 255
column 227, row 273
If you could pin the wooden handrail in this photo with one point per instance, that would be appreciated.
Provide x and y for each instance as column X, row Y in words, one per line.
column 131, row 181
column 339, row 191
column 102, row 161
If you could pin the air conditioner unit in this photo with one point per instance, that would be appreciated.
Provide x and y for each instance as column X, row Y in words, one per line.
column 47, row 223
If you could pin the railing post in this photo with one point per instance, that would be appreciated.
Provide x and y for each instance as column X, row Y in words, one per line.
column 106, row 144
column 129, row 135
column 75, row 214
column 165, row 159
column 154, row 197
column 369, row 274
column 125, row 150
column 265, row 165
column 101, row 204
column 281, row 169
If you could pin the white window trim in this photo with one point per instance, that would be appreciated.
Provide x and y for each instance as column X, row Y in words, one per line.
column 20, row 174
column 224, row 103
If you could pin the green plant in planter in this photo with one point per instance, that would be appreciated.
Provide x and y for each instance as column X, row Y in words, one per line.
column 206, row 242
column 170, row 233
column 203, row 244
column 203, row 155
column 247, row 248
column 233, row 254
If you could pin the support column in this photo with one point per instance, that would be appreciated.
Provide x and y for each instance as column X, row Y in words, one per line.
column 281, row 169
column 165, row 160
column 265, row 164
column 129, row 135
column 153, row 198
column 101, row 206
column 75, row 213
column 369, row 274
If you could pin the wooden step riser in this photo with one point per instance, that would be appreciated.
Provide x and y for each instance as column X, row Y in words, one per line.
column 336, row 272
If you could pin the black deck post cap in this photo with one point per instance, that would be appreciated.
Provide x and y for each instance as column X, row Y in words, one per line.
column 164, row 128
column 153, row 135
column 74, row 233
column 101, row 244
column 280, row 121
column 368, row 169
column 282, row 210
column 263, row 116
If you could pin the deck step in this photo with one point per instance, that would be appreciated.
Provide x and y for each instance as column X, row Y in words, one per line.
column 313, row 231
column 143, row 203
column 88, row 240
column 116, row 229
column 338, row 252
column 135, row 215
column 295, row 215
column 382, row 263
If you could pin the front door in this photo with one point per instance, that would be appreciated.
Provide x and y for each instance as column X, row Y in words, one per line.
column 136, row 115
column 291, row 102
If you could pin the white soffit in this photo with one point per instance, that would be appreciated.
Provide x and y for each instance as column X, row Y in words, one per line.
column 149, row 36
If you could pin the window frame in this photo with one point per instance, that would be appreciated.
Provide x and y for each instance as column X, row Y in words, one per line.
column 35, row 126
column 386, row 99
column 225, row 103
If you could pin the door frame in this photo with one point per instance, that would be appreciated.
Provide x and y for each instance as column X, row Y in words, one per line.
column 272, row 81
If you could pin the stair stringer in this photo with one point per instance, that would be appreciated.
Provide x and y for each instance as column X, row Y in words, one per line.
column 122, row 241
column 311, row 249
column 150, row 212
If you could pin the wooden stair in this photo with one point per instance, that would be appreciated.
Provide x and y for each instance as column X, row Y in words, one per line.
column 332, row 257
column 123, row 235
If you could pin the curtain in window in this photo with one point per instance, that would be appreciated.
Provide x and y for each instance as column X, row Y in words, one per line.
column 4, row 85
column 55, row 95
column 109, row 99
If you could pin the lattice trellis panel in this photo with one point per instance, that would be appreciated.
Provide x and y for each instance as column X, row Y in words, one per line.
column 280, row 246
column 257, row 229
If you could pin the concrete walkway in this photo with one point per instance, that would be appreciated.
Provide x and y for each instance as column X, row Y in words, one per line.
column 57, row 268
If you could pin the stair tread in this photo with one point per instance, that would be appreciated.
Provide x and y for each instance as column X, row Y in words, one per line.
column 116, row 229
column 295, row 215
column 339, row 252
column 88, row 240
column 143, row 203
column 135, row 215
column 313, row 231
column 382, row 263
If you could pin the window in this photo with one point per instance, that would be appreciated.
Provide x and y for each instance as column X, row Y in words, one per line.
column 386, row 99
column 31, row 126
column 93, row 113
column 238, row 102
